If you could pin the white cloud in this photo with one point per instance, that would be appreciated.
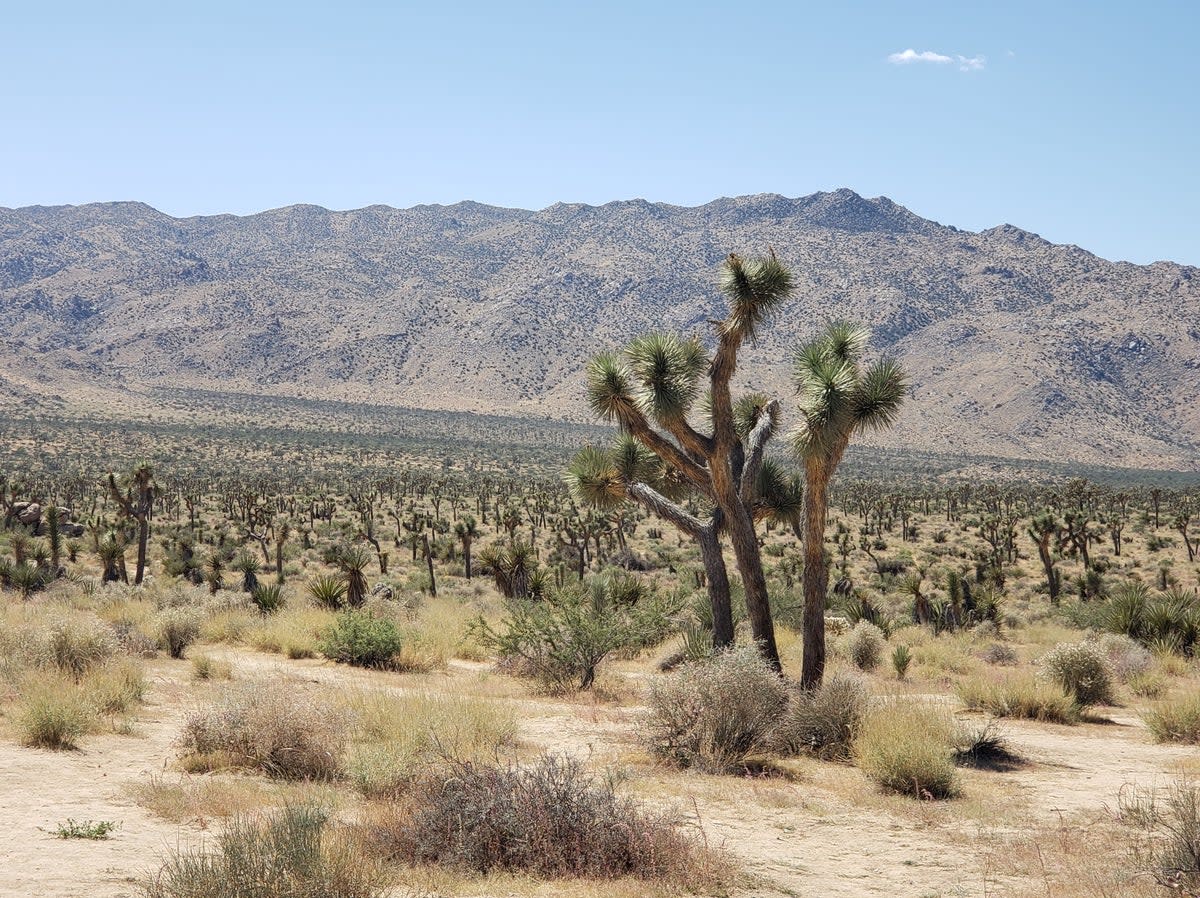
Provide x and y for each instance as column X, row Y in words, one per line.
column 911, row 55
column 965, row 63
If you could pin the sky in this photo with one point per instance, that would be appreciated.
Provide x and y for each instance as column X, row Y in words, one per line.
column 1077, row 120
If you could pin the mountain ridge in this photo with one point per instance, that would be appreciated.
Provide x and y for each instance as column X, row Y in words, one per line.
column 1019, row 347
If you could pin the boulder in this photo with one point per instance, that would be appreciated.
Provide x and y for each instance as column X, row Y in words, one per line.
column 30, row 514
column 382, row 591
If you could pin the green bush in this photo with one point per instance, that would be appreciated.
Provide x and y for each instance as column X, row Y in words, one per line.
column 561, row 639
column 362, row 639
column 713, row 714
column 1082, row 670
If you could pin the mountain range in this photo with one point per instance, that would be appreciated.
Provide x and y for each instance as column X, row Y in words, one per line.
column 1017, row 347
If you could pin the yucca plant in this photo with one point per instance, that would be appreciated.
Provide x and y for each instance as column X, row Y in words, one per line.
column 267, row 598
column 327, row 591
column 352, row 560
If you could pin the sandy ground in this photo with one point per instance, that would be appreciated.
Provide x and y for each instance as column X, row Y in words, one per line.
column 793, row 838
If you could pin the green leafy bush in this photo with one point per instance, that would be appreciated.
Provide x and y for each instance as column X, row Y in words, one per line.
column 362, row 639
column 561, row 639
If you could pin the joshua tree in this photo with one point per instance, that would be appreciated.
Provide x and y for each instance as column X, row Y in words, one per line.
column 135, row 500
column 467, row 532
column 838, row 398
column 1042, row 529
column 649, row 390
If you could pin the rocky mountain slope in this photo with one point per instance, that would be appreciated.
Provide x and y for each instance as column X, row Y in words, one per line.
column 1018, row 347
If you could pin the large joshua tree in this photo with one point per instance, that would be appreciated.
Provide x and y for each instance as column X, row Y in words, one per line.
column 650, row 389
column 838, row 397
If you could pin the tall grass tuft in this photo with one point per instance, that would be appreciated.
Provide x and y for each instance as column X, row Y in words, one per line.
column 909, row 748
column 294, row 853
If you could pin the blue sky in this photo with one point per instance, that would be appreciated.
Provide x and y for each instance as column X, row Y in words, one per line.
column 1080, row 121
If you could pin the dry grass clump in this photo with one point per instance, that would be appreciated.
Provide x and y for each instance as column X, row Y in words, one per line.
column 53, row 712
column 116, row 687
column 293, row 853
column 1176, row 720
column 178, row 627
column 823, row 721
column 1171, row 819
column 274, row 728
column 74, row 644
column 908, row 747
column 396, row 737
column 294, row 633
column 1081, row 669
column 864, row 645
column 713, row 714
column 205, row 667
column 1022, row 696
column 548, row 819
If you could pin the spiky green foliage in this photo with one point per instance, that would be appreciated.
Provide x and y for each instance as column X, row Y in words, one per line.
column 837, row 397
column 755, row 287
column 610, row 390
column 667, row 371
column 779, row 495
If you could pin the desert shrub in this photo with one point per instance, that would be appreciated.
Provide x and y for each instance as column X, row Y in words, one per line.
column 270, row 728
column 713, row 714
column 901, row 658
column 864, row 645
column 1019, row 696
column 909, row 748
column 1000, row 654
column 1082, row 670
column 74, row 645
column 294, row 853
column 550, row 818
column 178, row 628
column 53, row 713
column 1175, row 721
column 362, row 639
column 398, row 736
column 1147, row 685
column 825, row 720
column 985, row 746
column 562, row 638
column 1126, row 657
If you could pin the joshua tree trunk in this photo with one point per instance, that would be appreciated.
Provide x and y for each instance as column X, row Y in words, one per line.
column 429, row 564
column 815, row 576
